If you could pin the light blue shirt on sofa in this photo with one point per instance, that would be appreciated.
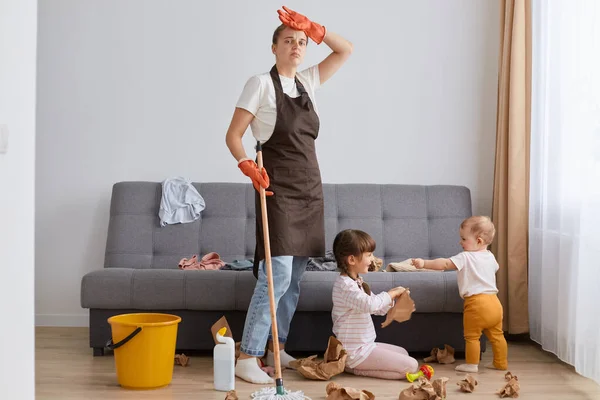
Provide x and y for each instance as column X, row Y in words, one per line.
column 180, row 202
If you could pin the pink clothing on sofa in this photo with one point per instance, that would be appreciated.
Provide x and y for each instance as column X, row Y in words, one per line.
column 209, row 261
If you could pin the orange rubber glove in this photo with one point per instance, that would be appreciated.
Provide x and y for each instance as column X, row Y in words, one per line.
column 299, row 22
column 259, row 177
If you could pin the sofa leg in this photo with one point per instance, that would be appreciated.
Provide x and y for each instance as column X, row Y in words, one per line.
column 98, row 351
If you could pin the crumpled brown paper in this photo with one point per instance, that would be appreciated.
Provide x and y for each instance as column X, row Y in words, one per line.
column 423, row 389
column 182, row 359
column 512, row 387
column 336, row 392
column 439, row 386
column 333, row 363
column 221, row 323
column 442, row 356
column 231, row 395
column 401, row 311
column 376, row 264
column 468, row 384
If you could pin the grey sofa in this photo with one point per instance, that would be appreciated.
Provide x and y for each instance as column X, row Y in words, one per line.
column 141, row 272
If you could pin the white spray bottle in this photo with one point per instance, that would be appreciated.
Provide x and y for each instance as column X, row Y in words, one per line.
column 224, row 362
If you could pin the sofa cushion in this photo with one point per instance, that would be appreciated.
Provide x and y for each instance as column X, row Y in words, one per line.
column 167, row 289
column 432, row 292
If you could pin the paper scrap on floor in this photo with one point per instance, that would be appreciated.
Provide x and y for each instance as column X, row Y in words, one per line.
column 336, row 392
column 468, row 384
column 333, row 363
column 442, row 356
column 512, row 387
column 423, row 389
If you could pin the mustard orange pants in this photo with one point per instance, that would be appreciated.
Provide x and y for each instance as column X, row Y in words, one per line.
column 483, row 313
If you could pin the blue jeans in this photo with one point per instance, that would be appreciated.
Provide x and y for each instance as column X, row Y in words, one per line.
column 287, row 273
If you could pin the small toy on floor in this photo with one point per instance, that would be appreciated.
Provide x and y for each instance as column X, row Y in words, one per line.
column 426, row 370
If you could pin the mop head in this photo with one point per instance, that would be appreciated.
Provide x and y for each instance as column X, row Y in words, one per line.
column 271, row 394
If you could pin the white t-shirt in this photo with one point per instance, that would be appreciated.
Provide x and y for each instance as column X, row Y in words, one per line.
column 258, row 97
column 476, row 272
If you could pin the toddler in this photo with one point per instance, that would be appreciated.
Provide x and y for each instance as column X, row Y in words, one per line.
column 476, row 278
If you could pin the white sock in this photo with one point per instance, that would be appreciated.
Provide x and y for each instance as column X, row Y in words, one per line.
column 284, row 357
column 472, row 368
column 248, row 370
column 491, row 366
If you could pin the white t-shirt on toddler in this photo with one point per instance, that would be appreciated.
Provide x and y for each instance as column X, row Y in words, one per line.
column 476, row 272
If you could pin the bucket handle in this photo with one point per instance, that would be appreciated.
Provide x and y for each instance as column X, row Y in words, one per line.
column 111, row 346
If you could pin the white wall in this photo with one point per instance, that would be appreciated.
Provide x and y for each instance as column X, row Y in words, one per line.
column 18, row 29
column 144, row 90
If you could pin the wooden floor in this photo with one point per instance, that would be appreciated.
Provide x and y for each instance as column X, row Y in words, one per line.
column 66, row 369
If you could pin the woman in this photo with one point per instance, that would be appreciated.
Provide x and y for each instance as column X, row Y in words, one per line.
column 280, row 108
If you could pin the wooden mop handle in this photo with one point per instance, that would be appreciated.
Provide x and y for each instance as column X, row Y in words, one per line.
column 265, row 223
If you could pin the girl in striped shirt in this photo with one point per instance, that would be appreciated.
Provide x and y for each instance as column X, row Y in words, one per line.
column 353, row 304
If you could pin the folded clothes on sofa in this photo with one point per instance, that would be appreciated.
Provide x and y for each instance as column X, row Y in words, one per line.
column 239, row 265
column 326, row 263
column 209, row 261
column 404, row 266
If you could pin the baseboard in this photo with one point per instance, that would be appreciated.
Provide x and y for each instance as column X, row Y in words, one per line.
column 70, row 320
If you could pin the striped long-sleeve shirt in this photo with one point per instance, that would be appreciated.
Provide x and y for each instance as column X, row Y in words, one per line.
column 351, row 314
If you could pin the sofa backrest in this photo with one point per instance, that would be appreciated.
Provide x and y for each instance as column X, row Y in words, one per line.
column 405, row 220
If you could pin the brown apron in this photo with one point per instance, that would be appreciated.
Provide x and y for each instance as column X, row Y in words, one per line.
column 295, row 211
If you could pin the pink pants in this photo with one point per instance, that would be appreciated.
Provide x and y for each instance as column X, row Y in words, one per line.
column 386, row 361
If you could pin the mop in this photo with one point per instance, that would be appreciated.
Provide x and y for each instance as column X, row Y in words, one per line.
column 278, row 392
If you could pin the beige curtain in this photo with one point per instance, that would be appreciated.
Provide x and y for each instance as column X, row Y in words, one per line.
column 511, row 175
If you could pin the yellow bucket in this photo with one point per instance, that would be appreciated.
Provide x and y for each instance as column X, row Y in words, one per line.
column 144, row 349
